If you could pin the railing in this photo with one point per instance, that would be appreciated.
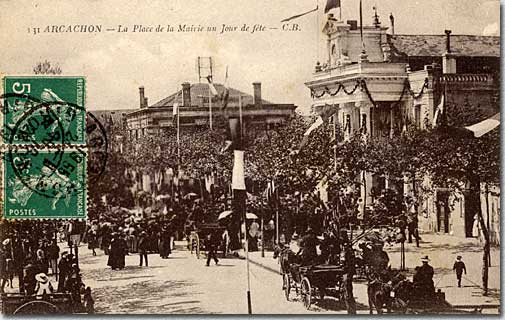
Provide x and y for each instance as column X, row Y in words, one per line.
column 466, row 77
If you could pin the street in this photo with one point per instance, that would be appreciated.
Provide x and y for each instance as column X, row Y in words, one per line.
column 182, row 283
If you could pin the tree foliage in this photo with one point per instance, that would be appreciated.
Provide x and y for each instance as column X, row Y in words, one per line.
column 46, row 67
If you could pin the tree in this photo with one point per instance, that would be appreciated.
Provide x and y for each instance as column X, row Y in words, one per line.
column 461, row 163
column 46, row 68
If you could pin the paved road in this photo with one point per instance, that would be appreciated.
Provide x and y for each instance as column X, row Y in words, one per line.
column 182, row 284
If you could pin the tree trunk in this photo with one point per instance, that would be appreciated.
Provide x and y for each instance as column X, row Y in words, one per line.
column 475, row 195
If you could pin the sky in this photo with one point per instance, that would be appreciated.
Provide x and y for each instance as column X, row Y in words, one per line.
column 116, row 64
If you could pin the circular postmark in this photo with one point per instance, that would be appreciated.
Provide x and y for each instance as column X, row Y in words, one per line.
column 40, row 156
column 98, row 147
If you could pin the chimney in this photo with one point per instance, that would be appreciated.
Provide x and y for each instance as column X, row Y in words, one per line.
column 392, row 20
column 448, row 41
column 376, row 21
column 448, row 59
column 186, row 94
column 353, row 24
column 142, row 98
column 145, row 102
column 257, row 94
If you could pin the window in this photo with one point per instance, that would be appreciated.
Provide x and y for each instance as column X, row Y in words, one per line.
column 417, row 115
column 363, row 123
column 347, row 127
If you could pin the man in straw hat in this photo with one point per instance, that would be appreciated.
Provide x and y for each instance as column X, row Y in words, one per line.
column 44, row 286
column 423, row 279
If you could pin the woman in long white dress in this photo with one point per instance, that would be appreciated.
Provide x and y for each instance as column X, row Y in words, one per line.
column 476, row 227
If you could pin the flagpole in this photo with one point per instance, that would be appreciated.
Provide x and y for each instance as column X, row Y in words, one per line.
column 276, row 214
column 240, row 191
column 210, row 108
column 179, row 148
column 317, row 28
column 240, row 114
column 249, row 305
column 361, row 23
column 335, row 141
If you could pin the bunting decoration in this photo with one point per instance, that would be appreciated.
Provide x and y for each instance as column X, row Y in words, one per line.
column 327, row 112
column 439, row 111
column 301, row 14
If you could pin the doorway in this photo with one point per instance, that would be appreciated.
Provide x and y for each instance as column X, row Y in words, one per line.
column 443, row 213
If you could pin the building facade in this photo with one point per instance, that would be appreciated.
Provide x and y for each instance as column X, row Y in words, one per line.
column 199, row 108
column 379, row 82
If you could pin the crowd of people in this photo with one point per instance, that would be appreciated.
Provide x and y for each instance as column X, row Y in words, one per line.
column 31, row 254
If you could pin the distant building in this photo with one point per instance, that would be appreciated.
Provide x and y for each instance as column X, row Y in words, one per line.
column 197, row 110
column 406, row 77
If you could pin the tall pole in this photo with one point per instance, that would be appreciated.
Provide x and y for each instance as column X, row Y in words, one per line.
column 249, row 305
column 210, row 108
column 240, row 115
column 335, row 141
column 262, row 236
column 179, row 149
column 361, row 24
column 277, row 215
column 318, row 31
column 239, row 191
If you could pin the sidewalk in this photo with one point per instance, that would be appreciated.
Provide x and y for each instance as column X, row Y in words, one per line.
column 442, row 251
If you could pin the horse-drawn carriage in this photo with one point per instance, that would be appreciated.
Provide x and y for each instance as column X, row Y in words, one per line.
column 54, row 303
column 397, row 294
column 314, row 282
column 198, row 237
column 309, row 282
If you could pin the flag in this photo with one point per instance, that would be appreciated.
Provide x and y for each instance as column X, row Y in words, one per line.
column 439, row 111
column 209, row 182
column 481, row 128
column 175, row 109
column 270, row 191
column 239, row 198
column 226, row 92
column 331, row 4
column 211, row 86
column 327, row 112
column 302, row 14
column 146, row 182
column 238, row 177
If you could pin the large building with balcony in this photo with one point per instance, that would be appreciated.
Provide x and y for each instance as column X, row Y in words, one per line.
column 380, row 82
column 199, row 108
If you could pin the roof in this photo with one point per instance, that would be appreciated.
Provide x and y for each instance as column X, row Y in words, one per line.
column 202, row 89
column 434, row 45
column 116, row 115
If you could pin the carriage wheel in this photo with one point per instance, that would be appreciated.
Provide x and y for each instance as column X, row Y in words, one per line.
column 306, row 293
column 37, row 307
column 286, row 285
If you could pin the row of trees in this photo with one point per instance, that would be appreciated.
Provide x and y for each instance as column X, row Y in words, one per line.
column 452, row 161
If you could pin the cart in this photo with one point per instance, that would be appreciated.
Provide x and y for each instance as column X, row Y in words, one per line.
column 314, row 282
column 54, row 303
column 197, row 237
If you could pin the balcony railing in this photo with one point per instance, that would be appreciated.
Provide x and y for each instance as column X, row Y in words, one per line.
column 465, row 78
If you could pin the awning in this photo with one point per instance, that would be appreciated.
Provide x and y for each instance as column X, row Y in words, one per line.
column 485, row 126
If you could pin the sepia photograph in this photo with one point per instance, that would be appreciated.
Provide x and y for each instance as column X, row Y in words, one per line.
column 288, row 157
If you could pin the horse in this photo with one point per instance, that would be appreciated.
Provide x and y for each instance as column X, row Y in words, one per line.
column 379, row 291
column 286, row 257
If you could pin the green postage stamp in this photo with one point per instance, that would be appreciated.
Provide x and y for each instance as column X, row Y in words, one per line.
column 45, row 156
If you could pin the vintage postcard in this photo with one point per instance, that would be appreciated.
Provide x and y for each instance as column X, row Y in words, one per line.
column 235, row 157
